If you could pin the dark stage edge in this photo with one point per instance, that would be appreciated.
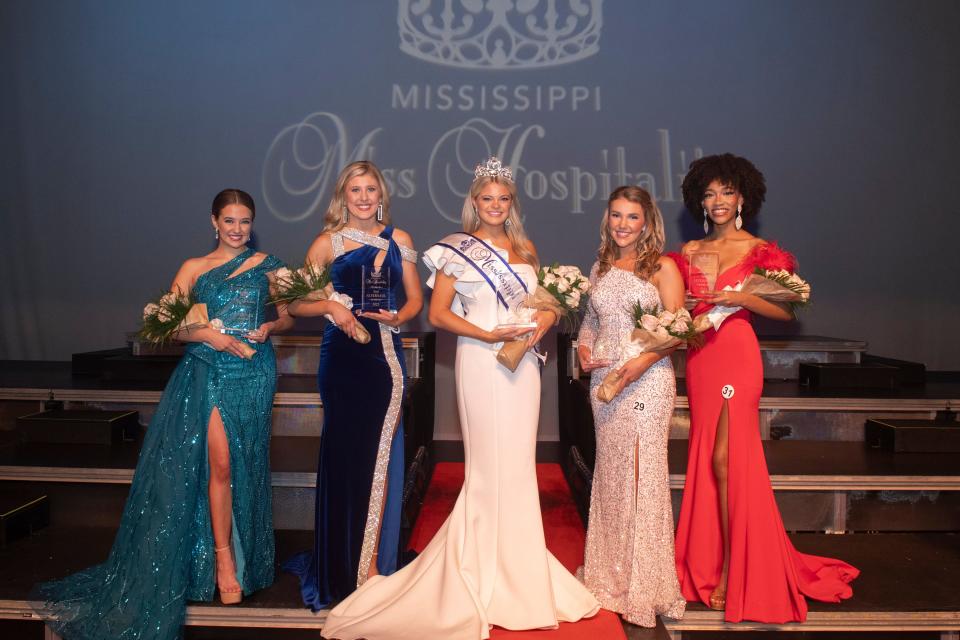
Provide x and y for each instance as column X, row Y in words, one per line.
column 808, row 465
column 37, row 380
column 908, row 583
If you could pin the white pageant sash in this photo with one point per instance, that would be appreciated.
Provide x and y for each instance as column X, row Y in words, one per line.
column 510, row 289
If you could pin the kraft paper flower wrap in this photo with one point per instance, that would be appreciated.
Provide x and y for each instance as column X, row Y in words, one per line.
column 312, row 283
column 561, row 289
column 656, row 330
column 174, row 312
column 775, row 285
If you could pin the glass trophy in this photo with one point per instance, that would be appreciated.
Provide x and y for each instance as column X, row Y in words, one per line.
column 518, row 317
column 704, row 269
column 605, row 352
column 375, row 291
column 240, row 315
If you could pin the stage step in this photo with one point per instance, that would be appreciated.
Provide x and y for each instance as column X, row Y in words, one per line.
column 22, row 513
column 78, row 426
column 820, row 486
column 907, row 584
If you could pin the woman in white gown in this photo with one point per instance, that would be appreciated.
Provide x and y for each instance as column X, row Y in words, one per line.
column 488, row 564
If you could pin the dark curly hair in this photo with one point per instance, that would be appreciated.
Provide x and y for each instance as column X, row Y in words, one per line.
column 729, row 170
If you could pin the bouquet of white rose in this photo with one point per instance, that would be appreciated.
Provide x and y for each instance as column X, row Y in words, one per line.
column 311, row 282
column 774, row 285
column 173, row 312
column 561, row 289
column 656, row 330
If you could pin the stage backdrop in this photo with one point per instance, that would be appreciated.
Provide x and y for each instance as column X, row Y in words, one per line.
column 120, row 120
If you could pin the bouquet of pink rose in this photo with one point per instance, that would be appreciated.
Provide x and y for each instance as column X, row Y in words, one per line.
column 561, row 289
column 311, row 282
column 173, row 312
column 656, row 330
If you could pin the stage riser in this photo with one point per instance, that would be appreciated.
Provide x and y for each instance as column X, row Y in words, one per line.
column 101, row 505
column 785, row 424
column 286, row 421
column 863, row 511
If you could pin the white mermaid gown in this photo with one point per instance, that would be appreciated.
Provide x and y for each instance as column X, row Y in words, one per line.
column 488, row 564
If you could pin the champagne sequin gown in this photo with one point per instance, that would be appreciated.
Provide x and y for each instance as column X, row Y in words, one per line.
column 163, row 553
column 629, row 561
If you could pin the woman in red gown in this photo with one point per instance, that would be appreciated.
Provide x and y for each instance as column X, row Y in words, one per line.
column 732, row 551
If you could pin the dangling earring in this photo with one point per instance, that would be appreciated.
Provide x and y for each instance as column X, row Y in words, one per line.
column 706, row 222
column 507, row 223
column 738, row 223
column 216, row 233
column 380, row 212
column 346, row 214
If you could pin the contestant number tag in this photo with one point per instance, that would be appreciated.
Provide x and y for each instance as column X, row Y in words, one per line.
column 240, row 314
column 375, row 291
column 727, row 391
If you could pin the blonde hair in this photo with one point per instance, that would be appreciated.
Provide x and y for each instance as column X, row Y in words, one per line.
column 512, row 225
column 650, row 242
column 336, row 216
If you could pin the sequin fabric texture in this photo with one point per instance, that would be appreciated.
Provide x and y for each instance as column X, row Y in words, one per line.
column 629, row 563
column 163, row 553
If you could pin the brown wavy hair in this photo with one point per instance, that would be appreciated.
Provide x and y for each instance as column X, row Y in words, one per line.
column 649, row 244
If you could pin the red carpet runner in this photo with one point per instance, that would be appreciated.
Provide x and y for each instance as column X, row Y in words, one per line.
column 562, row 529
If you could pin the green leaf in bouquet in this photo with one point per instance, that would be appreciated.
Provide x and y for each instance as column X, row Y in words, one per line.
column 168, row 311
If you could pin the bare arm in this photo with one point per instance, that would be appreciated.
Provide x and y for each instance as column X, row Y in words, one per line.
column 442, row 317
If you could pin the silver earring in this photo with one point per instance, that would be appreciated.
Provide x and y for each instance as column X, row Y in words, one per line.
column 507, row 223
column 738, row 223
column 216, row 234
column 346, row 214
column 706, row 222
column 380, row 212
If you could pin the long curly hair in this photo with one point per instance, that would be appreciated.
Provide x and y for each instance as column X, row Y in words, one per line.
column 650, row 242
column 513, row 226
column 336, row 216
column 729, row 170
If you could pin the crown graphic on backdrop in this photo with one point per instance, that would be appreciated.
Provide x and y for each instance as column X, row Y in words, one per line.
column 500, row 34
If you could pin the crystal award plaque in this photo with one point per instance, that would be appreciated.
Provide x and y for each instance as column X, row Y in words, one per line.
column 240, row 315
column 375, row 291
column 704, row 269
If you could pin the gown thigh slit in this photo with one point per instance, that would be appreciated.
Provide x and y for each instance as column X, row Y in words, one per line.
column 628, row 558
column 163, row 552
column 768, row 580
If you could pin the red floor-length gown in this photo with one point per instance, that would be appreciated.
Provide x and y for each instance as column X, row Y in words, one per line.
column 768, row 578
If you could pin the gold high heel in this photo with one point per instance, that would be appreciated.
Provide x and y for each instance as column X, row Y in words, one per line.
column 228, row 597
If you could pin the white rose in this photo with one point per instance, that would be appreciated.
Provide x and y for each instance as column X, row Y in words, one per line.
column 163, row 314
column 150, row 310
column 667, row 318
column 680, row 326
column 284, row 273
column 168, row 298
column 563, row 286
column 649, row 322
column 573, row 299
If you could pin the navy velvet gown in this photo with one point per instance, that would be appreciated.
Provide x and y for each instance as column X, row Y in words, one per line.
column 360, row 471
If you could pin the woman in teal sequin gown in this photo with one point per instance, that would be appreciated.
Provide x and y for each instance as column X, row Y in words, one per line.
column 203, row 478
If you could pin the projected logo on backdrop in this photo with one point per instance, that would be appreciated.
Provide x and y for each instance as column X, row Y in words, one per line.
column 500, row 34
column 480, row 37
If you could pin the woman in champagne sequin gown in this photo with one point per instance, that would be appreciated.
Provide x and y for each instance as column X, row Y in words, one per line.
column 628, row 563
column 202, row 481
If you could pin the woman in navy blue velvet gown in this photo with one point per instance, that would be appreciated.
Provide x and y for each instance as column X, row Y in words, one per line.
column 360, row 471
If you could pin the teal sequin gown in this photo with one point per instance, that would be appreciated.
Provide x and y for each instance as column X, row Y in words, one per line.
column 163, row 554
